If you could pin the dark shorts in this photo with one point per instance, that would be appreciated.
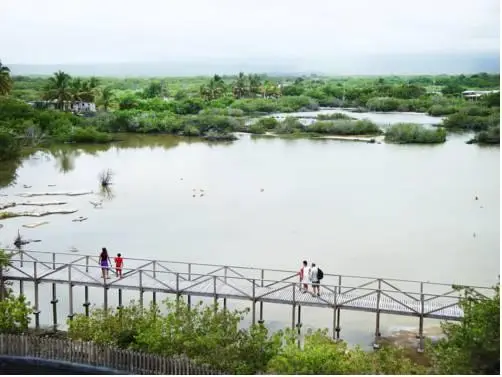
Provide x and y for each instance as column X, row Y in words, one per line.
column 104, row 264
column 316, row 283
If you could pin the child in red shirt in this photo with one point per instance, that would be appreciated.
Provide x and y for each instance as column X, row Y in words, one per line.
column 119, row 262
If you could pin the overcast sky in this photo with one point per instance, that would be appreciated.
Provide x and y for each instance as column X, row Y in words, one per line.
column 99, row 31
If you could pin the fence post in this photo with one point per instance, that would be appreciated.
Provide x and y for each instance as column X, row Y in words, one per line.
column 334, row 312
column 299, row 324
column 105, row 298
column 421, row 320
column 86, row 263
column 377, row 324
column 177, row 287
column 54, row 303
column 2, row 288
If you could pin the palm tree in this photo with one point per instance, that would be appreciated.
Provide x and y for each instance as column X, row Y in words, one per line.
column 254, row 84
column 5, row 80
column 107, row 96
column 239, row 86
column 58, row 88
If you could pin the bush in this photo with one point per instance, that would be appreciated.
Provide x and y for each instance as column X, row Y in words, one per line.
column 383, row 104
column 205, row 334
column 463, row 121
column 322, row 355
column 407, row 133
column 257, row 128
column 289, row 125
column 87, row 135
column 269, row 123
column 438, row 110
column 333, row 116
column 345, row 127
column 191, row 131
column 490, row 136
column 10, row 148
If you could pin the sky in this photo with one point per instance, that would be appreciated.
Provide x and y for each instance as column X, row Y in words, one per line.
column 111, row 31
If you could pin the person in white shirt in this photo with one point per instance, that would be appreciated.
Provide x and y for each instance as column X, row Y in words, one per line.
column 304, row 277
column 315, row 280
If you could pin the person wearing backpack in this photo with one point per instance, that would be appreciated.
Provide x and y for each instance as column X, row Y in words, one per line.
column 316, row 276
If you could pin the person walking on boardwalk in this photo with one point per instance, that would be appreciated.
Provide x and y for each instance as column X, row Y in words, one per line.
column 314, row 278
column 119, row 262
column 105, row 263
column 304, row 277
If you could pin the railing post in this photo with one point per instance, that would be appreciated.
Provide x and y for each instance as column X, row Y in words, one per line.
column 2, row 287
column 377, row 324
column 105, row 298
column 86, row 263
column 141, row 289
column 189, row 298
column 254, row 304
column 86, row 300
column 36, row 312
column 421, row 320
column 53, row 261
column 261, row 321
column 338, row 311
column 21, row 257
column 293, row 312
column 70, row 294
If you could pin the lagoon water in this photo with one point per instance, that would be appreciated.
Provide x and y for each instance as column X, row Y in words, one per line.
column 395, row 211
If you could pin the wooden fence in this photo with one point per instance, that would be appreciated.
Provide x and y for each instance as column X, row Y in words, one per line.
column 91, row 354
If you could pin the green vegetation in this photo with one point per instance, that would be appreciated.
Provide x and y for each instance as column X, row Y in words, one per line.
column 214, row 107
column 14, row 311
column 211, row 335
column 407, row 133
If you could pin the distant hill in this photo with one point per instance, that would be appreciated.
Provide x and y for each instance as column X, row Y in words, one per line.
column 345, row 65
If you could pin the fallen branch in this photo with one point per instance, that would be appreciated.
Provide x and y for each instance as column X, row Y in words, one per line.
column 9, row 215
column 37, row 204
column 35, row 225
column 29, row 195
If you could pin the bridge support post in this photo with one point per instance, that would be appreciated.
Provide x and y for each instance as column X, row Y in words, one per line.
column 338, row 310
column 224, row 298
column 86, row 301
column 105, row 298
column 334, row 313
column 261, row 321
column 299, row 324
column 120, row 298
column 36, row 312
column 421, row 320
column 70, row 295
column 215, row 294
column 54, row 303
column 189, row 298
column 376, row 345
column 141, row 291
column 294, row 309
column 21, row 288
column 154, row 294
column 254, row 303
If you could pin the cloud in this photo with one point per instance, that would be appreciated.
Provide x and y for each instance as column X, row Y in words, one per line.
column 92, row 31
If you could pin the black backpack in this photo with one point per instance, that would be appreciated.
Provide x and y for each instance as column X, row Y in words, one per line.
column 320, row 274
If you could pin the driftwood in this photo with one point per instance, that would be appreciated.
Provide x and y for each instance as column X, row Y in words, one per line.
column 81, row 218
column 8, row 215
column 77, row 193
column 37, row 204
column 35, row 225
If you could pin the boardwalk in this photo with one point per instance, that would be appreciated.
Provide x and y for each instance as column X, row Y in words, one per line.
column 257, row 286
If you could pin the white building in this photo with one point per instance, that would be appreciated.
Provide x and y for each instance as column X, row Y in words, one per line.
column 476, row 94
column 84, row 107
column 76, row 107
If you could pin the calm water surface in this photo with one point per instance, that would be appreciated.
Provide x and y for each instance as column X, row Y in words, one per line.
column 397, row 211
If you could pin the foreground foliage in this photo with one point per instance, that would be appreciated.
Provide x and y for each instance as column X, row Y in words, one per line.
column 472, row 346
column 15, row 311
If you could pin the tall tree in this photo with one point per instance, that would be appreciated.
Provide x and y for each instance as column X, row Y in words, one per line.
column 107, row 96
column 254, row 84
column 240, row 86
column 5, row 80
column 58, row 88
